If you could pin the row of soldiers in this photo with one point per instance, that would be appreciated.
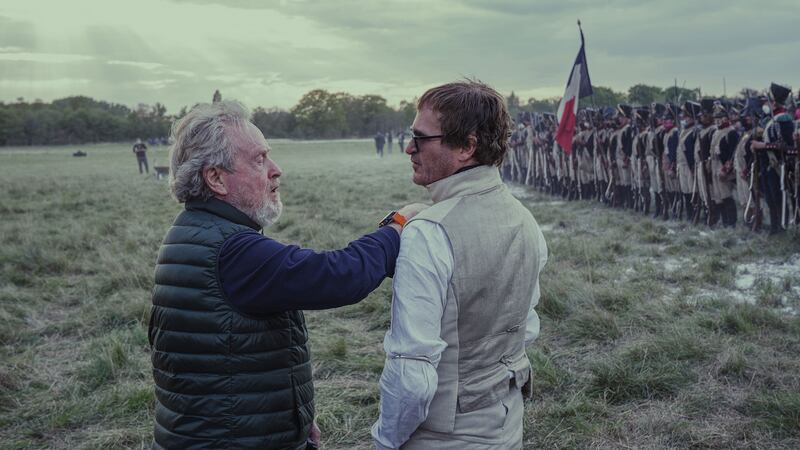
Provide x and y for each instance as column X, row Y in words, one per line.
column 709, row 161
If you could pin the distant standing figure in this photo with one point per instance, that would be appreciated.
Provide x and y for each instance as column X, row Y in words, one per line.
column 379, row 141
column 389, row 141
column 141, row 155
column 401, row 138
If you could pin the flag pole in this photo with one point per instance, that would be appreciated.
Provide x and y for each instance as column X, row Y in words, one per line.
column 583, row 43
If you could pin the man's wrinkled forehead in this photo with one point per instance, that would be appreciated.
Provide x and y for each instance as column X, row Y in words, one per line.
column 248, row 137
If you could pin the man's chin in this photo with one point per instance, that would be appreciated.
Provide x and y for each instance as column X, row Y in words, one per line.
column 268, row 214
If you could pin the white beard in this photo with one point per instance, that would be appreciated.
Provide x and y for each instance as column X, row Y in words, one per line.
column 268, row 214
column 265, row 215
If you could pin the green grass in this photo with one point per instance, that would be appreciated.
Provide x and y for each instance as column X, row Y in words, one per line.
column 644, row 341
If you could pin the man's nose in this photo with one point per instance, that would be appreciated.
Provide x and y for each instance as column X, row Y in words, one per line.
column 409, row 150
column 274, row 170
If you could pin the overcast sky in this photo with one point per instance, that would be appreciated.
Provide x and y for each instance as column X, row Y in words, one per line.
column 269, row 53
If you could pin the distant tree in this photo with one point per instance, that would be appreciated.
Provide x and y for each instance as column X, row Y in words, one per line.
column 604, row 96
column 542, row 105
column 512, row 103
column 406, row 113
column 274, row 122
column 675, row 94
column 320, row 114
column 643, row 94
column 217, row 97
column 749, row 92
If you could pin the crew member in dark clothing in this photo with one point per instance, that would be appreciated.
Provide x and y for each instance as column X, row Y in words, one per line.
column 229, row 343
column 140, row 150
column 380, row 140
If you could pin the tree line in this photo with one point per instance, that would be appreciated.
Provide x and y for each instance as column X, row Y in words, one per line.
column 639, row 94
column 319, row 114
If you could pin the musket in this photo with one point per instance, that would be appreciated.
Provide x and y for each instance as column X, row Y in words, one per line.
column 530, row 150
column 700, row 164
column 754, row 197
column 594, row 161
column 697, row 204
column 796, row 166
column 706, row 181
column 642, row 162
column 753, row 200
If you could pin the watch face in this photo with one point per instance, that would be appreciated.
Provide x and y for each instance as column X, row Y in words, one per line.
column 387, row 220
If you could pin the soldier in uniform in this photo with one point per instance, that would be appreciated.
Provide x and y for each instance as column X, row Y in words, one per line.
column 774, row 156
column 550, row 151
column 723, row 181
column 600, row 154
column 743, row 159
column 655, row 152
column 685, row 156
column 669, row 160
column 702, row 151
column 611, row 158
column 530, row 135
column 585, row 163
column 624, row 152
column 641, row 172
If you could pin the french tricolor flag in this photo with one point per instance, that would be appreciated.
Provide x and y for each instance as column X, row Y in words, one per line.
column 578, row 86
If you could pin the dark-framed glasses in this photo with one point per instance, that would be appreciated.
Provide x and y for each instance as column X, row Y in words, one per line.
column 416, row 138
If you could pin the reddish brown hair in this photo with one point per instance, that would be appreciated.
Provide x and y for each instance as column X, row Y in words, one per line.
column 471, row 107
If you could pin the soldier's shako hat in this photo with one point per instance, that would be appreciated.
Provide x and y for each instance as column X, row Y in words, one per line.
column 642, row 114
column 625, row 110
column 779, row 93
column 691, row 109
column 669, row 112
column 707, row 106
column 752, row 107
column 658, row 110
column 608, row 113
column 720, row 111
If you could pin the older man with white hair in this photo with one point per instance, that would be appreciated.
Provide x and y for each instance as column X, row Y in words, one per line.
column 229, row 342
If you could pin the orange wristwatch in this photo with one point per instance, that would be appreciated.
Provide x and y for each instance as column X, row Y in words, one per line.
column 393, row 217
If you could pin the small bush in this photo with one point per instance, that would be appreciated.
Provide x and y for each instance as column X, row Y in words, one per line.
column 9, row 383
column 614, row 299
column 745, row 318
column 768, row 293
column 565, row 423
column 733, row 364
column 778, row 411
column 716, row 271
column 338, row 348
column 106, row 360
column 547, row 376
column 593, row 324
column 652, row 369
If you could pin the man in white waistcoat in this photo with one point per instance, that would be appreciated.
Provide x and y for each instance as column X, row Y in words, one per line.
column 465, row 286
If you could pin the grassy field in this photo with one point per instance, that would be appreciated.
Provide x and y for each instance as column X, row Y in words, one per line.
column 654, row 334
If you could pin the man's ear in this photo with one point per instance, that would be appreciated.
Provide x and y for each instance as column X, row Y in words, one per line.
column 467, row 151
column 215, row 180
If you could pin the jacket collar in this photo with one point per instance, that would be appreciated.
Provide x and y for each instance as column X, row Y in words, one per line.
column 222, row 209
column 472, row 181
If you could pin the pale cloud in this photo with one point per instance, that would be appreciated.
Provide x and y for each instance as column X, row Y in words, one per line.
column 269, row 53
column 50, row 58
column 143, row 65
column 157, row 84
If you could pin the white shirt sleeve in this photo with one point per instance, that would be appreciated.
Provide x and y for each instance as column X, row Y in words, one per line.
column 532, row 325
column 413, row 343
